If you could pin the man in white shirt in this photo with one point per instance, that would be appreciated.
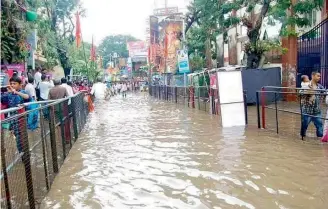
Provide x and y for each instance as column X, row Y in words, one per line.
column 119, row 88
column 37, row 81
column 124, row 89
column 44, row 87
column 99, row 90
column 37, row 77
column 29, row 88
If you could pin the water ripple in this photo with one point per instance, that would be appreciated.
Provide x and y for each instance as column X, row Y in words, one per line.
column 143, row 153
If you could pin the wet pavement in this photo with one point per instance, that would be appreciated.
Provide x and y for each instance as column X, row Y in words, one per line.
column 143, row 153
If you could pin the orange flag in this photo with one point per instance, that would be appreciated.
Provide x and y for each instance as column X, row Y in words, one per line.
column 78, row 33
column 93, row 52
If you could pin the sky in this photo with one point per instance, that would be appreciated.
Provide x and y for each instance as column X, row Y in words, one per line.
column 111, row 17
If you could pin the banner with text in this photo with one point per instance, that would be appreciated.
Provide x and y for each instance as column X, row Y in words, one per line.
column 137, row 49
column 183, row 61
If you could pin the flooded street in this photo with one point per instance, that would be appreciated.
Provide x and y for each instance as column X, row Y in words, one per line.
column 143, row 153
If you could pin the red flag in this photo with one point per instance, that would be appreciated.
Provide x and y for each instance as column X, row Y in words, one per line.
column 93, row 51
column 78, row 33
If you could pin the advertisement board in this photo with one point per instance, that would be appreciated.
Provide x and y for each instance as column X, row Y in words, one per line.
column 183, row 61
column 171, row 44
column 15, row 67
column 137, row 48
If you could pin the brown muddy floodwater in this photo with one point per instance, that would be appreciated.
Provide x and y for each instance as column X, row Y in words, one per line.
column 143, row 153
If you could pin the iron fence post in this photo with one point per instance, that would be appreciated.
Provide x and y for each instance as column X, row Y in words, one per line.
column 4, row 169
column 73, row 106
column 198, row 96
column 193, row 97
column 258, row 109
column 205, row 102
column 276, row 107
column 26, row 157
column 68, row 122
column 62, row 129
column 263, row 107
column 44, row 147
column 246, row 109
column 176, row 94
column 85, row 111
column 166, row 93
column 184, row 95
column 212, row 101
column 53, row 145
column 300, row 99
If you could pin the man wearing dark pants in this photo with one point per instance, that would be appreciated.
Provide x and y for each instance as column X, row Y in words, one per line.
column 310, row 104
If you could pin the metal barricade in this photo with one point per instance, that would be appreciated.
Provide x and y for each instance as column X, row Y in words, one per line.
column 276, row 112
column 30, row 159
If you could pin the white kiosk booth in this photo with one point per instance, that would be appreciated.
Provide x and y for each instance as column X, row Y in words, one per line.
column 231, row 97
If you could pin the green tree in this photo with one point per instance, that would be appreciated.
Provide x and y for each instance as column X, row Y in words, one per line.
column 196, row 62
column 80, row 58
column 59, row 16
column 14, row 29
column 114, row 44
column 216, row 16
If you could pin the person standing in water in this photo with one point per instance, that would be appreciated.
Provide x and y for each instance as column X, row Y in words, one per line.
column 310, row 104
column 124, row 90
column 99, row 90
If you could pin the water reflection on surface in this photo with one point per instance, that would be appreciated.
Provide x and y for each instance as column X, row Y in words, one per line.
column 143, row 153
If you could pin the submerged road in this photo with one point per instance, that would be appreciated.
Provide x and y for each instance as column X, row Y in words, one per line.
column 143, row 153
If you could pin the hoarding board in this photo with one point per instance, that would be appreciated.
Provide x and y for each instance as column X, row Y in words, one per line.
column 137, row 48
column 183, row 61
column 171, row 44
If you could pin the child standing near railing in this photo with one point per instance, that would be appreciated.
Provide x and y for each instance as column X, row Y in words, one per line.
column 305, row 82
column 14, row 97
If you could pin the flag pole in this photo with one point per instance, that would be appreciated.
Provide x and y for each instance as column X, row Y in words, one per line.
column 79, row 33
column 85, row 57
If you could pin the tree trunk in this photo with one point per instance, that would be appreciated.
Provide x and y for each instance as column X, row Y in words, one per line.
column 208, row 53
column 253, row 33
column 63, row 58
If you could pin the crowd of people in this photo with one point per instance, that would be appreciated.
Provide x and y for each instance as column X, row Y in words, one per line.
column 31, row 89
column 101, row 90
column 39, row 87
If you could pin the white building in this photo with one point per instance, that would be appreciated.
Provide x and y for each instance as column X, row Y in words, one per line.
column 232, row 53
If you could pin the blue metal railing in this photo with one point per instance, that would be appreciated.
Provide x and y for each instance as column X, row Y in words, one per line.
column 312, row 53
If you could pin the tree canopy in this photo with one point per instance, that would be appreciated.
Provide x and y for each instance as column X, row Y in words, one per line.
column 55, row 30
column 114, row 44
column 207, row 18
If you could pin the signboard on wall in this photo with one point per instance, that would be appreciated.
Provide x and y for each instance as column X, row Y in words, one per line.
column 137, row 48
column 171, row 43
column 183, row 61
column 19, row 68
